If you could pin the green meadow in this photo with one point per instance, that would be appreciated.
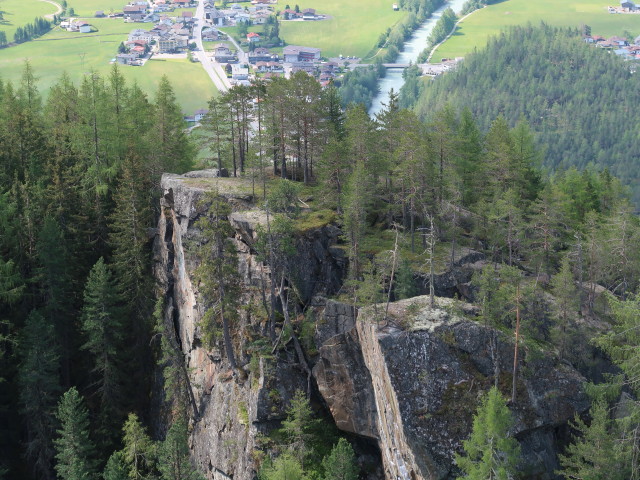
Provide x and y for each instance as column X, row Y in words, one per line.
column 353, row 29
column 476, row 29
column 78, row 53
column 17, row 13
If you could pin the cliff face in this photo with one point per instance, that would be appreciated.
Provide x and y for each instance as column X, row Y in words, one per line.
column 418, row 380
column 410, row 386
column 232, row 411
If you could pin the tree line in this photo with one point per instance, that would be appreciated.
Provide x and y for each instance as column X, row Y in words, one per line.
column 39, row 27
column 443, row 27
column 575, row 97
column 79, row 175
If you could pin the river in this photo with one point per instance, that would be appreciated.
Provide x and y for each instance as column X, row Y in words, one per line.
column 412, row 48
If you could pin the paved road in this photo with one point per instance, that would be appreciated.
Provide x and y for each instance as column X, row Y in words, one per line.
column 243, row 57
column 213, row 69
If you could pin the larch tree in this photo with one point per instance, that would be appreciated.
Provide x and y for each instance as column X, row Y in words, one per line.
column 595, row 453
column 173, row 151
column 139, row 451
column 490, row 453
column 340, row 464
column 566, row 302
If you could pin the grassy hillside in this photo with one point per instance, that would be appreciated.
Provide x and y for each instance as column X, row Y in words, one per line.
column 78, row 53
column 353, row 28
column 17, row 13
column 476, row 29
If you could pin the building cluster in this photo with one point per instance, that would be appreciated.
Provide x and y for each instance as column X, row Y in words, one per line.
column 257, row 13
column 266, row 64
column 169, row 35
column 625, row 7
column 308, row 14
column 618, row 45
column 76, row 25
column 149, row 12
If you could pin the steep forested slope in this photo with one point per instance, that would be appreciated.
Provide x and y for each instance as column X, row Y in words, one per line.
column 581, row 101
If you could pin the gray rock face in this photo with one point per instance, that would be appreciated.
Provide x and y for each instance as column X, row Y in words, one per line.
column 231, row 411
column 415, row 390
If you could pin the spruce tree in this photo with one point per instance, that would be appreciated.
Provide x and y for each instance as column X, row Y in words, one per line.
column 340, row 464
column 103, row 330
column 490, row 453
column 74, row 449
column 39, row 384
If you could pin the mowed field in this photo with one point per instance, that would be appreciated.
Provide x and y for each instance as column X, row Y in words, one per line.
column 353, row 29
column 17, row 13
column 78, row 53
column 476, row 29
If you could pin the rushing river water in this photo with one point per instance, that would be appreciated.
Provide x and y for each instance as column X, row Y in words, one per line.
column 412, row 48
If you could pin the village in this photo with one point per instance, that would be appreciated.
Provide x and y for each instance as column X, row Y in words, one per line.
column 625, row 7
column 618, row 45
column 240, row 60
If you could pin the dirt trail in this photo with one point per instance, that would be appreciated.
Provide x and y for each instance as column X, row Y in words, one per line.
column 55, row 4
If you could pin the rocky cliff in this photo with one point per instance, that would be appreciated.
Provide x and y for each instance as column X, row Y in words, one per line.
column 417, row 379
column 410, row 386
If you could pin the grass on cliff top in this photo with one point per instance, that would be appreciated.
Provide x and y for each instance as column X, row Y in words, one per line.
column 476, row 29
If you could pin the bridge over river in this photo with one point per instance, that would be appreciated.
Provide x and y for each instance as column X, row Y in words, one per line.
column 432, row 69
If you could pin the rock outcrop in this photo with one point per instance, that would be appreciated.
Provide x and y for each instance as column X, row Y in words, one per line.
column 411, row 386
column 232, row 411
column 415, row 387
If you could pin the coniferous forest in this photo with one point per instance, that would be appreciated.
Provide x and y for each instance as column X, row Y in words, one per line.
column 81, row 335
column 577, row 98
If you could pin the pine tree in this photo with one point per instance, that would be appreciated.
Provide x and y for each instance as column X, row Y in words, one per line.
column 74, row 449
column 173, row 458
column 340, row 464
column 490, row 453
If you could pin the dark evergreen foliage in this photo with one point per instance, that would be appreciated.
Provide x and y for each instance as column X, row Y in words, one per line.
column 577, row 99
